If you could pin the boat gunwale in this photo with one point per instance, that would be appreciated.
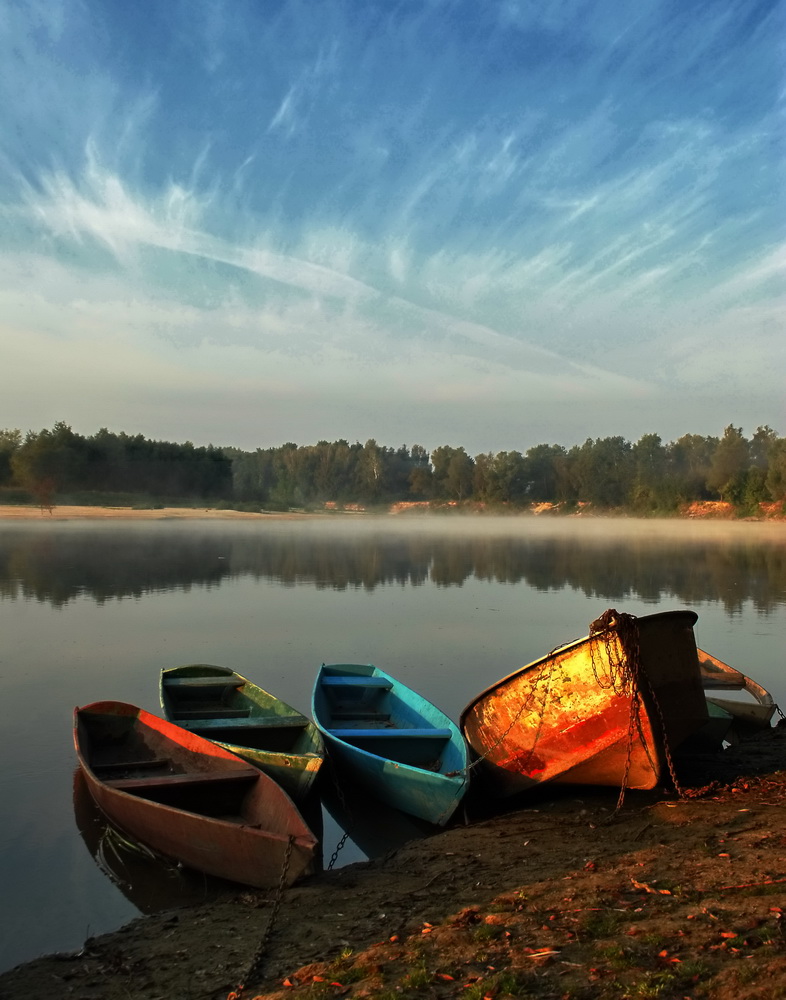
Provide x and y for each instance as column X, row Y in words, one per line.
column 564, row 647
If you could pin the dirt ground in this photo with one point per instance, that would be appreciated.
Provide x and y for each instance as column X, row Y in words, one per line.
column 562, row 897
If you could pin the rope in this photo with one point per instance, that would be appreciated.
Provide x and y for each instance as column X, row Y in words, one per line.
column 256, row 962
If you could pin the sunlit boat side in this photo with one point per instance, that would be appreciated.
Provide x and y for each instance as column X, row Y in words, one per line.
column 607, row 709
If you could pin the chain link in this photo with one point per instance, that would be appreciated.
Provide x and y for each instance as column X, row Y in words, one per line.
column 345, row 809
column 256, row 961
column 623, row 654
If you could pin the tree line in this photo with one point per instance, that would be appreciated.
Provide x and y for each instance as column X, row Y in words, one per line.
column 648, row 476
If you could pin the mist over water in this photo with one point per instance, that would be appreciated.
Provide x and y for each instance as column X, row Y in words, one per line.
column 646, row 560
column 449, row 605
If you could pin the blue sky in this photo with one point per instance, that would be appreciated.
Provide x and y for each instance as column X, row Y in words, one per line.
column 484, row 224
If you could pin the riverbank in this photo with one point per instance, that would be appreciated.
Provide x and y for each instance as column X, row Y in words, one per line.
column 671, row 897
column 22, row 512
column 699, row 511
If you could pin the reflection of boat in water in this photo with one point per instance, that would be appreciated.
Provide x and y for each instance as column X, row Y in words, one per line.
column 732, row 718
column 188, row 798
column 396, row 744
column 372, row 825
column 223, row 706
column 603, row 710
column 149, row 881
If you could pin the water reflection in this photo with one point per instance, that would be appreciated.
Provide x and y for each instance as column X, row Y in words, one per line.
column 148, row 881
column 55, row 564
column 373, row 826
column 153, row 883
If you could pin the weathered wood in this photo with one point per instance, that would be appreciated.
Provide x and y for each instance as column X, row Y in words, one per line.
column 183, row 780
column 356, row 681
column 230, row 681
column 211, row 713
column 254, row 722
column 131, row 765
column 359, row 714
column 391, row 733
column 214, row 813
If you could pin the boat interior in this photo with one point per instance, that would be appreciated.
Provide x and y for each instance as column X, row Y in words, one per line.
column 364, row 711
column 216, row 708
column 133, row 758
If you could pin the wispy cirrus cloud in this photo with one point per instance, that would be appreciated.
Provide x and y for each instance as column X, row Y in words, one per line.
column 504, row 212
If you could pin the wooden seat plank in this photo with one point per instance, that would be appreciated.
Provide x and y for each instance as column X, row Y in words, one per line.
column 183, row 780
column 382, row 733
column 131, row 765
column 203, row 682
column 354, row 680
column 211, row 713
column 254, row 722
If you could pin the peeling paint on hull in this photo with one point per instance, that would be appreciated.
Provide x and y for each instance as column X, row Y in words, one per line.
column 568, row 717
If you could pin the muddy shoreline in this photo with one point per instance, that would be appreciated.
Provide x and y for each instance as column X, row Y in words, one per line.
column 560, row 897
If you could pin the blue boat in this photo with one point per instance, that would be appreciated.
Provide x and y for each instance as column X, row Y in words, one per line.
column 391, row 741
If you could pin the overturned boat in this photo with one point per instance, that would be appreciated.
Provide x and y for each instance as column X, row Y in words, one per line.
column 607, row 709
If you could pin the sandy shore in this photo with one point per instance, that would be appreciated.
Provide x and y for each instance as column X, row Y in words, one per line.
column 21, row 512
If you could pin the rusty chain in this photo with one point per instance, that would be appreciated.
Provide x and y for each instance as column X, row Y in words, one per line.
column 256, row 962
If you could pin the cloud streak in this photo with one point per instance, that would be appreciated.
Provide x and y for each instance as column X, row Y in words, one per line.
column 553, row 209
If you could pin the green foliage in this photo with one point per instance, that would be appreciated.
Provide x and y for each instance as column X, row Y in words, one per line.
column 646, row 478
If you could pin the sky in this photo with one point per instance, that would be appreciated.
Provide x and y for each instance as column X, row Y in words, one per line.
column 489, row 225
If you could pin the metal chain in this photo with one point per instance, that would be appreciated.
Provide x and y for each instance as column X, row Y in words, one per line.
column 256, row 961
column 347, row 812
column 546, row 677
column 626, row 674
column 334, row 856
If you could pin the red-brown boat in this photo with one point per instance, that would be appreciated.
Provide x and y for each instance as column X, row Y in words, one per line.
column 604, row 710
column 189, row 799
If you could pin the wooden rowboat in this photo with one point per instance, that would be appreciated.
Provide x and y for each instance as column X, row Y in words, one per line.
column 221, row 705
column 607, row 709
column 391, row 741
column 732, row 718
column 189, row 799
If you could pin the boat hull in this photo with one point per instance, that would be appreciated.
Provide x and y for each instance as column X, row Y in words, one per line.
column 246, row 720
column 732, row 718
column 188, row 799
column 390, row 741
column 574, row 717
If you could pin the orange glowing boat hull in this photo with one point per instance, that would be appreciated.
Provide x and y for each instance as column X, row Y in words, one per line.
column 572, row 717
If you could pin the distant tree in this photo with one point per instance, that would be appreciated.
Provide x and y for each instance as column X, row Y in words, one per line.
column 10, row 440
column 729, row 465
column 49, row 461
column 650, row 461
column 453, row 471
column 546, row 473
column 690, row 458
column 370, row 473
column 500, row 478
column 776, row 471
column 421, row 479
column 603, row 471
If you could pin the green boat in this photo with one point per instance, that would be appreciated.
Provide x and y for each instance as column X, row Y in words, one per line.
column 222, row 706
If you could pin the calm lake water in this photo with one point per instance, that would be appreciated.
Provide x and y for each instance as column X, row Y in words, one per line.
column 93, row 611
